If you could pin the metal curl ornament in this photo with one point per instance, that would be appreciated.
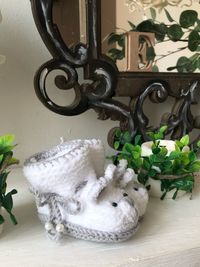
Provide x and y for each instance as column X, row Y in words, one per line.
column 181, row 120
column 42, row 13
column 80, row 103
column 159, row 94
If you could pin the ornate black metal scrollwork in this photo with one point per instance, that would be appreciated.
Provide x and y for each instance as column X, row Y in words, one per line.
column 106, row 80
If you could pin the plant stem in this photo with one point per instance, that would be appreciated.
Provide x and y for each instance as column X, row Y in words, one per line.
column 171, row 53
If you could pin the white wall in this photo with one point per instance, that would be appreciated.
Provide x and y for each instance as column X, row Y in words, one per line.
column 36, row 128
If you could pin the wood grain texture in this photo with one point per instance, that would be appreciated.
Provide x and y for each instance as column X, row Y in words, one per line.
column 169, row 236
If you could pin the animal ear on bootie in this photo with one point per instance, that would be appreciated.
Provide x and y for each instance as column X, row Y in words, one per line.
column 124, row 175
column 102, row 182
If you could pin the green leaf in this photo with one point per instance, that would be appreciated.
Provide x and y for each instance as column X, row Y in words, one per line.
column 163, row 129
column 163, row 195
column 158, row 136
column 193, row 41
column 175, row 195
column 198, row 143
column 6, row 143
column 174, row 155
column 1, row 219
column 151, row 53
column 192, row 156
column 153, row 13
column 185, row 140
column 116, row 54
column 123, row 156
column 160, row 31
column 7, row 140
column 13, row 218
column 168, row 16
column 146, row 164
column 138, row 163
column 143, row 178
column 3, row 185
column 163, row 151
column 166, row 167
column 127, row 137
column 183, row 64
column 171, row 68
column 156, row 150
column 7, row 202
column 133, row 27
column 128, row 147
column 175, row 32
column 186, row 183
column 152, row 173
column 155, row 68
column 136, row 155
column 137, row 148
column 151, row 135
column 188, row 18
column 138, row 140
column 115, row 38
column 145, row 26
column 116, row 145
column 117, row 133
column 13, row 161
column 195, row 167
column 121, row 42
column 1, row 158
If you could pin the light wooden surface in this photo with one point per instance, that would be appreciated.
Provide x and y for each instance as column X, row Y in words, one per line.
column 169, row 236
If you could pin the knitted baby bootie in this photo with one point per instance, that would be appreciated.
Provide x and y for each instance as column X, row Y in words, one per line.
column 71, row 198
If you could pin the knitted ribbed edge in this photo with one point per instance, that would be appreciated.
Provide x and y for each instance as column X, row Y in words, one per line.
column 67, row 149
column 87, row 234
column 49, row 158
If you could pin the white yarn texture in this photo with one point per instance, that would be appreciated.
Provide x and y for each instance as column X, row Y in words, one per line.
column 72, row 188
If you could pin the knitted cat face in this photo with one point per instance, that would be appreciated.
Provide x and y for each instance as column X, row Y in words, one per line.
column 110, row 210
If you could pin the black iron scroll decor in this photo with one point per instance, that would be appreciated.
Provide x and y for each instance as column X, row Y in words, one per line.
column 106, row 81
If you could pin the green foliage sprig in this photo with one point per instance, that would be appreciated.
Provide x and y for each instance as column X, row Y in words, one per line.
column 181, row 163
column 186, row 31
column 6, row 160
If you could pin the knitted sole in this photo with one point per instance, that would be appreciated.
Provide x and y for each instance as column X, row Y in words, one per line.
column 87, row 234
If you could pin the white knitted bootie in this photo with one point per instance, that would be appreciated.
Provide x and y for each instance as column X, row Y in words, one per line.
column 72, row 199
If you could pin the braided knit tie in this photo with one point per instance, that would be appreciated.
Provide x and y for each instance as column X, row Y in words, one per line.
column 55, row 225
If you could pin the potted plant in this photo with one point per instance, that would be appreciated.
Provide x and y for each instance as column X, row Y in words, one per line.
column 165, row 167
column 6, row 160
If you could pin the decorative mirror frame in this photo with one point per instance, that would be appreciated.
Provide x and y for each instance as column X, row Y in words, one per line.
column 107, row 82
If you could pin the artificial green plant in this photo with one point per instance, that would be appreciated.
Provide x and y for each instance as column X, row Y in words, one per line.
column 181, row 163
column 185, row 31
column 6, row 160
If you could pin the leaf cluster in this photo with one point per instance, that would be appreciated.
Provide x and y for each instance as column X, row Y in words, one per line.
column 182, row 162
column 186, row 31
column 6, row 160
